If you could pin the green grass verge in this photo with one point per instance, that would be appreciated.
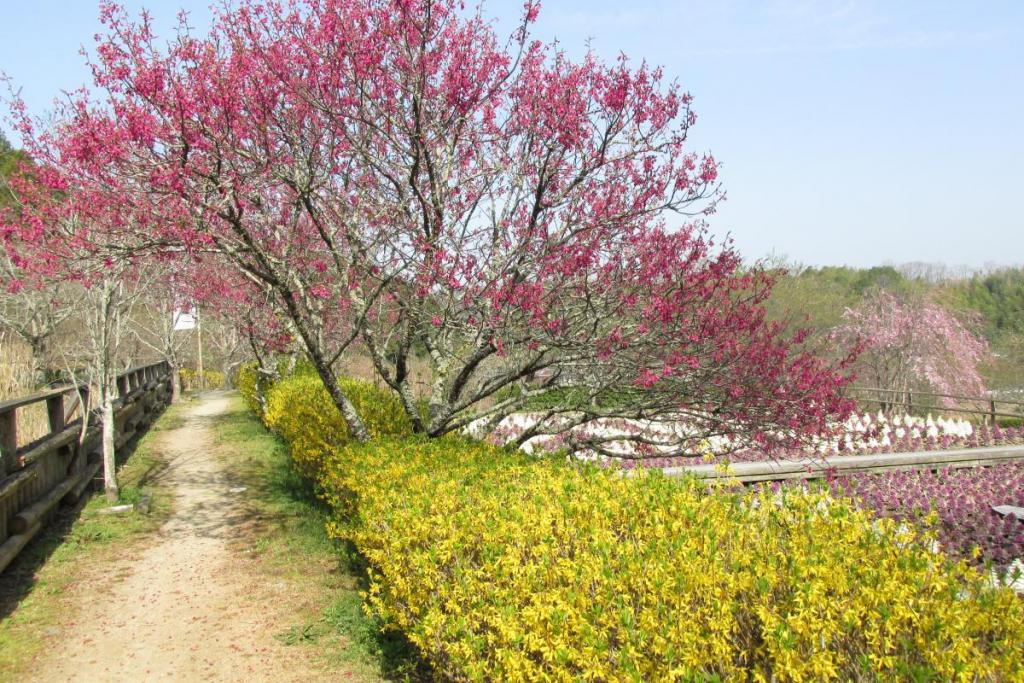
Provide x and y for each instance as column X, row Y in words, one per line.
column 289, row 540
column 75, row 552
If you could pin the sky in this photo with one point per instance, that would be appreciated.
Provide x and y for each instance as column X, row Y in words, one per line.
column 850, row 132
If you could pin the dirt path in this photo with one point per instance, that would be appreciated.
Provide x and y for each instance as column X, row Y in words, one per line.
column 187, row 608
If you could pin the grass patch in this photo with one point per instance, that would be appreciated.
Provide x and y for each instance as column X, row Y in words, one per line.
column 77, row 552
column 286, row 536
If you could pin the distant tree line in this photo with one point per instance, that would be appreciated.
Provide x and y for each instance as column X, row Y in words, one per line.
column 990, row 302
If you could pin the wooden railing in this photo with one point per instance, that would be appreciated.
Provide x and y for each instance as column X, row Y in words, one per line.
column 35, row 477
column 988, row 408
column 819, row 468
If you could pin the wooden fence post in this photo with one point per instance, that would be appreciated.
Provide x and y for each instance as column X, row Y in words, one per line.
column 60, row 469
column 83, row 404
column 55, row 412
column 992, row 411
column 8, row 440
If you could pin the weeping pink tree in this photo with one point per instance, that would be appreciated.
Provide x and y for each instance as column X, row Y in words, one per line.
column 393, row 174
column 913, row 345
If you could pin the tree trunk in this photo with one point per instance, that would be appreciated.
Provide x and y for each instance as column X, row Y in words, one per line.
column 225, row 370
column 109, row 461
column 175, row 384
column 356, row 428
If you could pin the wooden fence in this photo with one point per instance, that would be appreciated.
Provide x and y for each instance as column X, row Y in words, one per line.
column 988, row 408
column 60, row 466
column 819, row 468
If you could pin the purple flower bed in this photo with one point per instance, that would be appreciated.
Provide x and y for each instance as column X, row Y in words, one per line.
column 961, row 498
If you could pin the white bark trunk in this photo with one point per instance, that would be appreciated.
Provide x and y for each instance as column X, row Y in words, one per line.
column 175, row 384
column 109, row 461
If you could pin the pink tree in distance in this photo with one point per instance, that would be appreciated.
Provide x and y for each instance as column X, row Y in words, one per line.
column 914, row 345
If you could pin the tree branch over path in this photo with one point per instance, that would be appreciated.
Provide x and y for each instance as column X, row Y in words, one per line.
column 397, row 174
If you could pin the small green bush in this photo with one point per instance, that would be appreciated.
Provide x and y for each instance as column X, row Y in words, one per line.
column 1010, row 422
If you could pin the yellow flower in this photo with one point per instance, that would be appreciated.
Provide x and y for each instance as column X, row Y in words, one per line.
column 501, row 566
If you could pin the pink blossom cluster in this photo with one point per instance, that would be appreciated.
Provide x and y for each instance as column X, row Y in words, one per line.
column 907, row 344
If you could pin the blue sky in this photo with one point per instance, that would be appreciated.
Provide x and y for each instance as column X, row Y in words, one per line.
column 851, row 132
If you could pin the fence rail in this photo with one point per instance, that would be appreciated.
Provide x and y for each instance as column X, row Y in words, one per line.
column 819, row 468
column 35, row 477
column 987, row 407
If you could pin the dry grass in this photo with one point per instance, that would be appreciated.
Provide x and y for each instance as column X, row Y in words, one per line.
column 17, row 380
column 358, row 365
column 15, row 368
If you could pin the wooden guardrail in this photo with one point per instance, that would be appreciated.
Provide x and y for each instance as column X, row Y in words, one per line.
column 60, row 466
column 819, row 468
column 987, row 407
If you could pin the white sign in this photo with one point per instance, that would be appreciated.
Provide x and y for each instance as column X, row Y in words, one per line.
column 184, row 321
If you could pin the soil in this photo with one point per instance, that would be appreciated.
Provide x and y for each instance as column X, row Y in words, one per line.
column 188, row 606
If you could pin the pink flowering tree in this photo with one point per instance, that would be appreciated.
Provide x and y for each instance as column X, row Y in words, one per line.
column 394, row 174
column 55, row 232
column 914, row 345
column 34, row 303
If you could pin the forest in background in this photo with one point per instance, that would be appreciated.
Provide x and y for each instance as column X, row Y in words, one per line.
column 989, row 302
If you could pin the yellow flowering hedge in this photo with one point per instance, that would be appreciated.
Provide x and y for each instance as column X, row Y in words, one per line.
column 504, row 567
column 248, row 387
column 301, row 411
column 190, row 379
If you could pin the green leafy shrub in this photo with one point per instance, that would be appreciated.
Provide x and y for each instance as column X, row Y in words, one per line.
column 1010, row 422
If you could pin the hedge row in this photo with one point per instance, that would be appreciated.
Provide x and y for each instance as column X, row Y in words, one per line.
column 190, row 379
column 500, row 566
